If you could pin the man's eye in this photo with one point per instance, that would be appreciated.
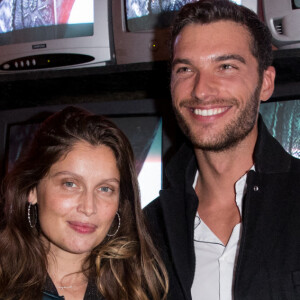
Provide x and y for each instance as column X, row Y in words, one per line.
column 227, row 67
column 183, row 70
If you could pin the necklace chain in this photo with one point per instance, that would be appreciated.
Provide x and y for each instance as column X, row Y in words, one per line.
column 65, row 287
column 72, row 285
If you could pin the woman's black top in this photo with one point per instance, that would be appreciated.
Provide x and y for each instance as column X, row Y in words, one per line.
column 50, row 291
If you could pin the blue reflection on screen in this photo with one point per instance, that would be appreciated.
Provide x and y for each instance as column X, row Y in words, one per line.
column 283, row 120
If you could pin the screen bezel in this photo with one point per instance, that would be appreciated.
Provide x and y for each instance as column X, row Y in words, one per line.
column 137, row 47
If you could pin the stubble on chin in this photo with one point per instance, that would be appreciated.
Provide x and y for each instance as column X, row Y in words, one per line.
column 231, row 135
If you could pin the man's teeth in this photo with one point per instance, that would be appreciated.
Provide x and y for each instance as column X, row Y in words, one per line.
column 209, row 112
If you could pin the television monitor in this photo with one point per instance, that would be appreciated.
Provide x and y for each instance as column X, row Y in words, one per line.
column 143, row 121
column 68, row 34
column 283, row 19
column 141, row 28
column 52, row 34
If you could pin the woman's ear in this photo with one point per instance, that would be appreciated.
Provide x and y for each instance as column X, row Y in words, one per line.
column 267, row 87
column 32, row 197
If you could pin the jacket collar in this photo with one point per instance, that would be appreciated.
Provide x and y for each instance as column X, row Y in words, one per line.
column 182, row 166
column 269, row 155
column 179, row 206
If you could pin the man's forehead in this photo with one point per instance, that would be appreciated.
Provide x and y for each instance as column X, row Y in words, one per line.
column 233, row 28
column 215, row 39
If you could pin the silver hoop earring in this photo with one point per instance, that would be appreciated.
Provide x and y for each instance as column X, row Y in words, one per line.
column 32, row 214
column 119, row 218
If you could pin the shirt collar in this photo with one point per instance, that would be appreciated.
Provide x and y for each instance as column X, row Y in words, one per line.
column 240, row 190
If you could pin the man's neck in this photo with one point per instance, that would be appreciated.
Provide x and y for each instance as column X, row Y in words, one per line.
column 215, row 187
column 219, row 171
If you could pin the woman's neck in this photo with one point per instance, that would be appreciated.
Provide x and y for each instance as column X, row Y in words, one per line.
column 65, row 268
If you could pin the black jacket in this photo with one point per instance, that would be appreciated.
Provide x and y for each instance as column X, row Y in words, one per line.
column 268, row 265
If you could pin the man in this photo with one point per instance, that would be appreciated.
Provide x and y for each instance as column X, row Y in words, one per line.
column 228, row 225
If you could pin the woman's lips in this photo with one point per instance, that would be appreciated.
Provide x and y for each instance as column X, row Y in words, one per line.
column 82, row 227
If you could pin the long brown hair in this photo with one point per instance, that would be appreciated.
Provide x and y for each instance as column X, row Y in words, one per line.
column 126, row 266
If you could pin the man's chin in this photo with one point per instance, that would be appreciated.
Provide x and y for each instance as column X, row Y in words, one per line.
column 225, row 143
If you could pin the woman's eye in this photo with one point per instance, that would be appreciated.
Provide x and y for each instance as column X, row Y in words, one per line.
column 105, row 189
column 69, row 184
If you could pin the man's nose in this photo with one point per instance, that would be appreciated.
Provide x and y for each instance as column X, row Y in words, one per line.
column 205, row 86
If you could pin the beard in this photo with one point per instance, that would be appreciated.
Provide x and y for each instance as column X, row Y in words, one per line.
column 233, row 132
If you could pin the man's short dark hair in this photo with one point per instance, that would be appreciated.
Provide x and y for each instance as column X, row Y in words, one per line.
column 209, row 11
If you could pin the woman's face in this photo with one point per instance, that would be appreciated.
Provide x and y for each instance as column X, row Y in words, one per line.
column 78, row 199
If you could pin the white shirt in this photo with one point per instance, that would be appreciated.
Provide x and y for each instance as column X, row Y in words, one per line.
column 215, row 262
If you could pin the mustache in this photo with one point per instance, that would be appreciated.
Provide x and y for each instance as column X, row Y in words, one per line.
column 216, row 101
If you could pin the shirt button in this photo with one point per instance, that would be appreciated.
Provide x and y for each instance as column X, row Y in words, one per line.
column 255, row 188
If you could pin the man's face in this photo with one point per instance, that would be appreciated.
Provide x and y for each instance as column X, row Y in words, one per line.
column 215, row 84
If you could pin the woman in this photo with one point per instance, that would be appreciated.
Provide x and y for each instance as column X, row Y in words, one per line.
column 73, row 225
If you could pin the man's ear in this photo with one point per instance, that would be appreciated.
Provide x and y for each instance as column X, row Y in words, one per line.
column 32, row 197
column 267, row 87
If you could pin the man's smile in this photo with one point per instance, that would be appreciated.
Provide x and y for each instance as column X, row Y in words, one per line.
column 209, row 112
